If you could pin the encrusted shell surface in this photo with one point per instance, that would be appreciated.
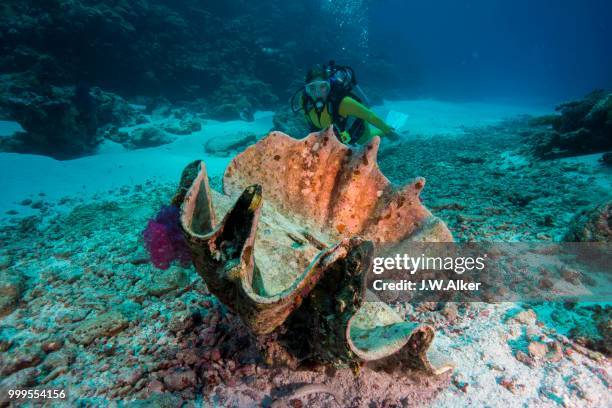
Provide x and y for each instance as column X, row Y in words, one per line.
column 299, row 222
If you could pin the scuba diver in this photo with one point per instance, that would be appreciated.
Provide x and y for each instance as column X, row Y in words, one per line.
column 331, row 96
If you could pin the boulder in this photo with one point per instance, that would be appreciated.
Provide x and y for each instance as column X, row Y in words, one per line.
column 182, row 127
column 146, row 137
column 102, row 325
column 224, row 146
column 12, row 285
column 606, row 159
column 19, row 380
column 63, row 122
column 166, row 281
column 593, row 224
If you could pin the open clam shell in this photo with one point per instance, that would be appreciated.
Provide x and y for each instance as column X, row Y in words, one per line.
column 299, row 222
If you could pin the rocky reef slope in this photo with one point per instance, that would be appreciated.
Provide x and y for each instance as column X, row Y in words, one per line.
column 582, row 126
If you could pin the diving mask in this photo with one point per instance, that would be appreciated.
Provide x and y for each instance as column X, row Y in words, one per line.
column 318, row 90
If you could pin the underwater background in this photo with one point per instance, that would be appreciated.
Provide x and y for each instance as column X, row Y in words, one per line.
column 508, row 117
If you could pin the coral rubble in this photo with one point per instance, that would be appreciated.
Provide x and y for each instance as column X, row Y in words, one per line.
column 298, row 225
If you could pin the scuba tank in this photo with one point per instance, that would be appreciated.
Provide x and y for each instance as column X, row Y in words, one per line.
column 342, row 77
column 343, row 83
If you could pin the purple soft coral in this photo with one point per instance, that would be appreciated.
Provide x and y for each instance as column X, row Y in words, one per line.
column 164, row 239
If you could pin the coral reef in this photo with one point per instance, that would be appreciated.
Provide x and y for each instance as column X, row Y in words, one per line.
column 182, row 50
column 239, row 98
column 296, row 263
column 581, row 127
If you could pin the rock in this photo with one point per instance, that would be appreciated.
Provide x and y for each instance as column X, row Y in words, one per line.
column 103, row 325
column 37, row 205
column 606, row 159
column 52, row 345
column 146, row 137
column 537, row 350
column 521, row 199
column 605, row 331
column 157, row 400
column 215, row 355
column 470, row 158
column 527, row 317
column 63, row 122
column 166, row 281
column 591, row 225
column 447, row 204
column 581, row 127
column 182, row 127
column 5, row 343
column 226, row 145
column 12, row 284
column 5, row 261
column 181, row 320
column 62, row 359
column 524, row 358
column 450, row 311
column 19, row 380
column 180, row 379
column 507, row 383
column 231, row 111
column 21, row 357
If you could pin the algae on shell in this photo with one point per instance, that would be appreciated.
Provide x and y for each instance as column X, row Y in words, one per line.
column 289, row 243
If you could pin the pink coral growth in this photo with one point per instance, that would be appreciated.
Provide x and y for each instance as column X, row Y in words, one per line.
column 164, row 239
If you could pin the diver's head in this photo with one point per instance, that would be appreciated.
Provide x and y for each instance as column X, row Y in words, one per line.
column 317, row 85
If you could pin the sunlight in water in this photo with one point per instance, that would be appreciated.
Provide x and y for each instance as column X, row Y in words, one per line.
column 352, row 19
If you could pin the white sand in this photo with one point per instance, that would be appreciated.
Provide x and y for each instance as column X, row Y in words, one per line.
column 25, row 175
column 429, row 117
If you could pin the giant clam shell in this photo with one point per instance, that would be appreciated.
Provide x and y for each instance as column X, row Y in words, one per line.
column 289, row 242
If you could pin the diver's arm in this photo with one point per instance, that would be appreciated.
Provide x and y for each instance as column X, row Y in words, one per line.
column 350, row 107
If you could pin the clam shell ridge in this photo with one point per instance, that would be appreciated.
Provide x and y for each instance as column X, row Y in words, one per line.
column 289, row 243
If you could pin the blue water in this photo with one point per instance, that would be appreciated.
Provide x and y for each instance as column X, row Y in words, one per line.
column 103, row 104
column 545, row 50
